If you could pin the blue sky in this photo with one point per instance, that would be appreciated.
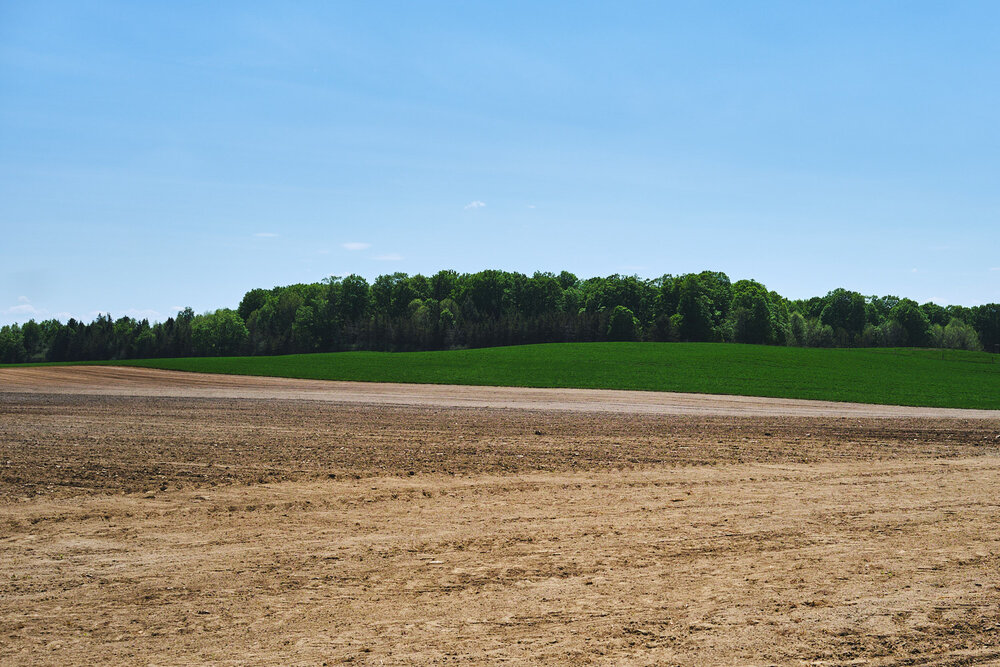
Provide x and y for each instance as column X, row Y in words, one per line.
column 154, row 156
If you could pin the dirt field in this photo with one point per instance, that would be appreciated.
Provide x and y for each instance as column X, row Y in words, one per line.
column 166, row 518
column 132, row 382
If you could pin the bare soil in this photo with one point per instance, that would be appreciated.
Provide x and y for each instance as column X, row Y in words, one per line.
column 132, row 382
column 181, row 518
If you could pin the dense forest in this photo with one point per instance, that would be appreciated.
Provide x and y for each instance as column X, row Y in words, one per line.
column 450, row 310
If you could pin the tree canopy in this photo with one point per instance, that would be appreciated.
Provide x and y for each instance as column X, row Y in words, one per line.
column 451, row 310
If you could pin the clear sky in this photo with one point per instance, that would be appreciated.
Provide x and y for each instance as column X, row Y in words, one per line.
column 158, row 155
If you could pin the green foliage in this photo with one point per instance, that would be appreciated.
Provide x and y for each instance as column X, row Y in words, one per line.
column 695, row 310
column 986, row 320
column 797, row 330
column 912, row 321
column 567, row 280
column 219, row 333
column 845, row 313
column 252, row 300
column 935, row 314
column 719, row 291
column 401, row 312
column 753, row 319
column 957, row 335
column 622, row 325
column 819, row 334
column 895, row 376
column 443, row 284
column 12, row 350
column 354, row 298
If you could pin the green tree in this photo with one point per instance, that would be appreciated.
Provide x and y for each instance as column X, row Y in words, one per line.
column 913, row 322
column 845, row 312
column 695, row 310
column 958, row 335
column 305, row 329
column 819, row 334
column 220, row 333
column 354, row 298
column 31, row 334
column 12, row 345
column 667, row 296
column 719, row 291
column 753, row 321
column 252, row 301
column 797, row 329
column 622, row 325
column 986, row 320
column 881, row 308
column 935, row 314
column 567, row 280
column 444, row 285
column 486, row 294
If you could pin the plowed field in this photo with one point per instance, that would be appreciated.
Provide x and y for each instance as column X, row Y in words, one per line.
column 153, row 517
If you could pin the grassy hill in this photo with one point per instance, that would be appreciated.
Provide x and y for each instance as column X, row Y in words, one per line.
column 893, row 376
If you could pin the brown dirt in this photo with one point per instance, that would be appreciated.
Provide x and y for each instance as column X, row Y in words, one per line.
column 123, row 381
column 274, row 528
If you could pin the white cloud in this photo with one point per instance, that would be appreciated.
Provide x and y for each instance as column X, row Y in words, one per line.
column 354, row 245
column 995, row 268
column 25, row 310
column 913, row 271
column 265, row 235
column 390, row 257
column 531, row 206
column 25, row 307
column 475, row 204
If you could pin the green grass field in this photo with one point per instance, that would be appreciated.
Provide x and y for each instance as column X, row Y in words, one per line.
column 893, row 376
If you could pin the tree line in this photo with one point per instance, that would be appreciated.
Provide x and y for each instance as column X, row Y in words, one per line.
column 400, row 312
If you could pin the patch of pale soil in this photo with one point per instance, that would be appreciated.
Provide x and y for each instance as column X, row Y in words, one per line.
column 123, row 381
column 201, row 528
column 884, row 563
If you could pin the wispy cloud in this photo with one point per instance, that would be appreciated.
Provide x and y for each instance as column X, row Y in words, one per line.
column 475, row 204
column 531, row 206
column 354, row 245
column 995, row 268
column 389, row 257
column 265, row 235
column 25, row 307
column 25, row 310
